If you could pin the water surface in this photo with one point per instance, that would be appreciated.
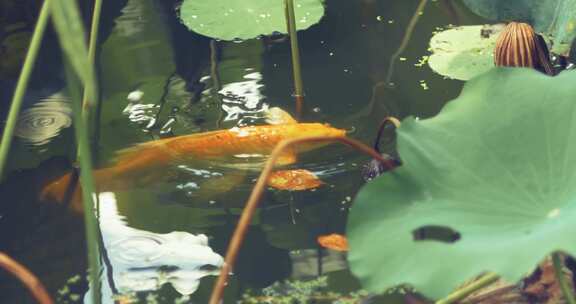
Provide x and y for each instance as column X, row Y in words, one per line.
column 164, row 239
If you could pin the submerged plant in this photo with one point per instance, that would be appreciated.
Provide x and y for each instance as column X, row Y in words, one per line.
column 303, row 292
column 495, row 168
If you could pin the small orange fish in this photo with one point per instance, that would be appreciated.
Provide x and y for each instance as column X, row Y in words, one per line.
column 333, row 241
column 143, row 163
column 294, row 180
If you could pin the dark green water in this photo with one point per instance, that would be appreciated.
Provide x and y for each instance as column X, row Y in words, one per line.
column 157, row 80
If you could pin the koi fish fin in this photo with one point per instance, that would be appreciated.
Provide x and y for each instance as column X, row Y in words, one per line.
column 286, row 158
column 277, row 116
column 294, row 180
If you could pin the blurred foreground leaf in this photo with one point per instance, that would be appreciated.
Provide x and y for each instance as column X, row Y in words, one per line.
column 486, row 185
column 554, row 18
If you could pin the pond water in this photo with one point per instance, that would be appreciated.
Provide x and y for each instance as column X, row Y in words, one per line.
column 164, row 237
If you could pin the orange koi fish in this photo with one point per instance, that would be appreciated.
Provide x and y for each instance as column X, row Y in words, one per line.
column 333, row 241
column 143, row 163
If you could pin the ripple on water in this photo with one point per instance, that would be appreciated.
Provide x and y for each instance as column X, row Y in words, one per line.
column 39, row 124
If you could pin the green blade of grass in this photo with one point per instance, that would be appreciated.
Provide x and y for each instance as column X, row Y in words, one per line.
column 22, row 84
column 71, row 34
column 70, row 29
column 89, row 112
column 87, row 182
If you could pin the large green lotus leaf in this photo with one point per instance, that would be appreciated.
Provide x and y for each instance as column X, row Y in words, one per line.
column 497, row 165
column 554, row 18
column 463, row 52
column 246, row 19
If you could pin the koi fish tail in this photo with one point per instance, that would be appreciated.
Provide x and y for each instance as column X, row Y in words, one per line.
column 67, row 190
column 63, row 190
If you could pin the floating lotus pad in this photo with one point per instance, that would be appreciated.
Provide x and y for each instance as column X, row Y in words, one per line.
column 497, row 166
column 246, row 19
column 463, row 52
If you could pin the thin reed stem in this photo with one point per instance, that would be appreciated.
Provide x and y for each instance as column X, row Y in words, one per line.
column 90, row 107
column 94, row 31
column 22, row 84
column 566, row 290
column 87, row 184
column 256, row 195
column 295, row 52
column 27, row 278
column 467, row 290
column 407, row 36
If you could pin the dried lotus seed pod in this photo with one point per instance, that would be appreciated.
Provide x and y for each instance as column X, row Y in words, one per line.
column 519, row 46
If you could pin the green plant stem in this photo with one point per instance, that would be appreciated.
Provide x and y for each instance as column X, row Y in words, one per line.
column 566, row 290
column 295, row 51
column 94, row 31
column 467, row 290
column 22, row 84
column 87, row 182
column 91, row 106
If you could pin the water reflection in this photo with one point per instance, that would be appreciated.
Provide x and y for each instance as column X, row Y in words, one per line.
column 243, row 99
column 39, row 124
column 310, row 263
column 139, row 112
column 139, row 260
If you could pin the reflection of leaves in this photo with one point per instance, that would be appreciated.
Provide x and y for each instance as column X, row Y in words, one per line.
column 462, row 52
column 245, row 19
column 555, row 18
column 496, row 166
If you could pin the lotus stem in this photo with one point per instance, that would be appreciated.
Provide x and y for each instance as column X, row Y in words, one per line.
column 27, row 278
column 87, row 184
column 566, row 290
column 386, row 121
column 467, row 290
column 215, row 76
column 256, row 195
column 405, row 40
column 295, row 52
column 22, row 84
